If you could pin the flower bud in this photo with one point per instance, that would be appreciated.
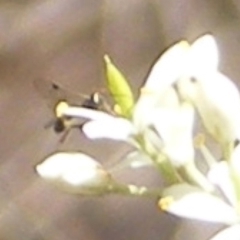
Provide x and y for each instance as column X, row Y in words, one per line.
column 75, row 172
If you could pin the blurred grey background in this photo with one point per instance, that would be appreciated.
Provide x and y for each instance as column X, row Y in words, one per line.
column 64, row 41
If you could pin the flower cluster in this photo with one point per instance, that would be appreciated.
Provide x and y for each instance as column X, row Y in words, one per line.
column 159, row 125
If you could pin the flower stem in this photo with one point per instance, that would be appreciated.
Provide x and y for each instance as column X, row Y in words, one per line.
column 193, row 176
column 160, row 160
column 166, row 169
column 135, row 191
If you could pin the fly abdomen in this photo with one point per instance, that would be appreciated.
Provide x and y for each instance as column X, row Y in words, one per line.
column 59, row 125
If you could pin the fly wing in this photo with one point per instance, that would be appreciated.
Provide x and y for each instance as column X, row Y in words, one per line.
column 53, row 93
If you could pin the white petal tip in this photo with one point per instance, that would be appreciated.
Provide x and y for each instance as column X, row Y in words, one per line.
column 231, row 233
column 189, row 202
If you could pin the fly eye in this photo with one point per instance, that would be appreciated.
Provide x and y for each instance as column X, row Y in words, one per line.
column 59, row 126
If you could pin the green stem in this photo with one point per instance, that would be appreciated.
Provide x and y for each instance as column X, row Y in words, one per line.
column 133, row 190
column 193, row 176
column 166, row 169
column 160, row 161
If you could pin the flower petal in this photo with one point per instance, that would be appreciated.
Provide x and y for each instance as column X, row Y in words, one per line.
column 203, row 55
column 134, row 159
column 115, row 128
column 74, row 172
column 175, row 126
column 168, row 67
column 187, row 201
column 219, row 175
column 149, row 102
column 220, row 115
column 231, row 233
column 234, row 167
column 158, row 91
column 80, row 112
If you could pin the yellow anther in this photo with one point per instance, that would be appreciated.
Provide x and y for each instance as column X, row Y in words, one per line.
column 165, row 203
column 60, row 108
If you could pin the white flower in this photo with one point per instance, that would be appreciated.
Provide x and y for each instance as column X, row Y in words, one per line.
column 175, row 126
column 156, row 92
column 214, row 95
column 190, row 202
column 168, row 67
column 116, row 128
column 74, row 172
column 203, row 56
column 174, row 121
column 220, row 175
column 219, row 172
column 158, row 106
column 231, row 233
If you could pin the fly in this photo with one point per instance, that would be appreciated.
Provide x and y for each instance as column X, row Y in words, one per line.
column 57, row 98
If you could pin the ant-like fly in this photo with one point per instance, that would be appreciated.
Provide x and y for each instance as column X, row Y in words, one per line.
column 57, row 98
